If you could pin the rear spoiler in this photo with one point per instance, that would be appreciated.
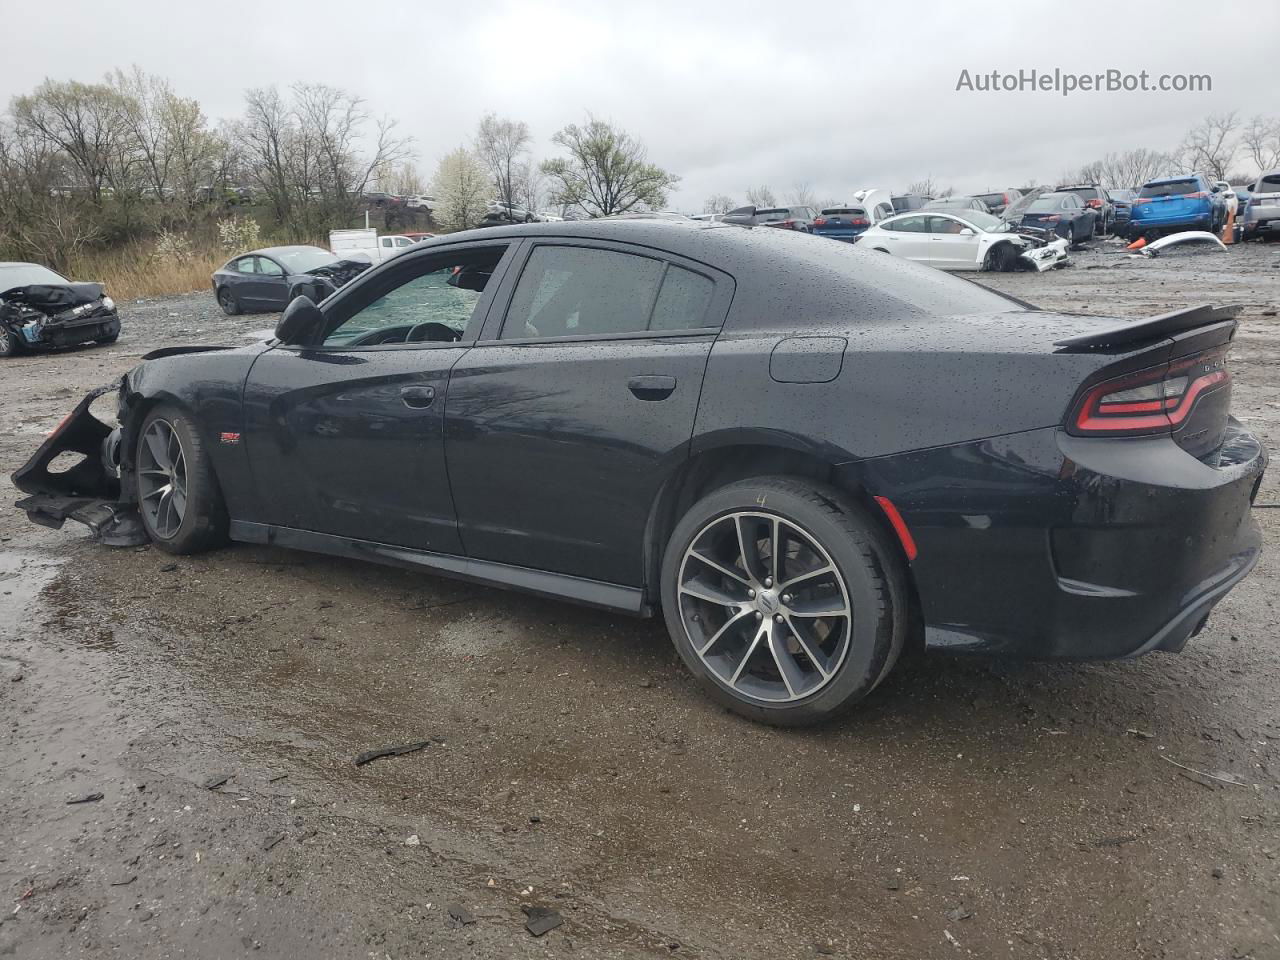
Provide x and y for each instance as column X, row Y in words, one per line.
column 1156, row 328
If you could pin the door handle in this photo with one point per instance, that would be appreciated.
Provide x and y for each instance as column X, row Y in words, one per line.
column 418, row 397
column 652, row 387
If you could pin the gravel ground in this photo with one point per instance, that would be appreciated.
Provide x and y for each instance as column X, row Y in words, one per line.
column 971, row 807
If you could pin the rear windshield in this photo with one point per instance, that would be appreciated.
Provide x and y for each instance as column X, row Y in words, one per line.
column 24, row 274
column 991, row 199
column 1084, row 193
column 844, row 212
column 773, row 213
column 1174, row 188
column 1045, row 204
column 1268, row 184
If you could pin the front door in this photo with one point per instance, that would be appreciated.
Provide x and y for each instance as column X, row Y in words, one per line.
column 576, row 403
column 346, row 436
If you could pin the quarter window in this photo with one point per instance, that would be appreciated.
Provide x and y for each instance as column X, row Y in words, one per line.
column 584, row 292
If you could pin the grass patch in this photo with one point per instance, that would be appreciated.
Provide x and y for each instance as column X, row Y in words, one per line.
column 130, row 272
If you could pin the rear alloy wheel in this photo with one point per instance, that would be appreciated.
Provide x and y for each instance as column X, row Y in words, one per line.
column 228, row 302
column 787, row 603
column 178, row 496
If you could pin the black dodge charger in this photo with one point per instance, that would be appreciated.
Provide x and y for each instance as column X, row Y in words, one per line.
column 805, row 456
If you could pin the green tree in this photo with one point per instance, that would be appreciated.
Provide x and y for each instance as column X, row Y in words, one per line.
column 607, row 171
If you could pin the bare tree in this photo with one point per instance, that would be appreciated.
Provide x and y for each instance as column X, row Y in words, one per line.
column 607, row 171
column 503, row 146
column 1261, row 140
column 530, row 187
column 461, row 186
column 761, row 196
column 718, row 203
column 923, row 188
column 402, row 179
column 1210, row 146
column 801, row 194
column 1132, row 168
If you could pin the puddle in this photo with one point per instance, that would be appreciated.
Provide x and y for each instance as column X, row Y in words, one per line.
column 22, row 577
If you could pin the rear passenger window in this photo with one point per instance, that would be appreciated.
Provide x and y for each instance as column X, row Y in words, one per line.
column 245, row 265
column 582, row 292
column 683, row 301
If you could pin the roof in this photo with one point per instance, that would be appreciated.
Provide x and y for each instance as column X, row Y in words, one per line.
column 281, row 249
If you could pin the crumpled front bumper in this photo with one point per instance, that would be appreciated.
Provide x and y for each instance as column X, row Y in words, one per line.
column 1052, row 254
column 89, row 491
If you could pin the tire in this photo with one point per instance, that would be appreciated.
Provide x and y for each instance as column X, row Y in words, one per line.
column 1071, row 235
column 196, row 521
column 8, row 342
column 228, row 302
column 821, row 529
column 1000, row 258
column 108, row 339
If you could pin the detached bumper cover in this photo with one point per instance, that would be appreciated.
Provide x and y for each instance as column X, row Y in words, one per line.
column 88, row 492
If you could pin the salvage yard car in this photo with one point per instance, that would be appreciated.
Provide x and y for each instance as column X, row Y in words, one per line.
column 40, row 309
column 965, row 240
column 1175, row 204
column 806, row 457
column 267, row 280
column 1064, row 214
column 1262, row 214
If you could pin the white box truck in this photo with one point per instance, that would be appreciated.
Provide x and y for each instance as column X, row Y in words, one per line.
column 366, row 244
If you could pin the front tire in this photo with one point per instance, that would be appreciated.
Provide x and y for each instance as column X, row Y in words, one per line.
column 1000, row 258
column 178, row 496
column 8, row 342
column 787, row 601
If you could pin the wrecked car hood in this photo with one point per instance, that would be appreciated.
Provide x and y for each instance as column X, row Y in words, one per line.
column 54, row 296
column 343, row 271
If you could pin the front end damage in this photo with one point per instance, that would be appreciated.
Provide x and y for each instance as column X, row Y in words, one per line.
column 42, row 315
column 89, row 490
column 1042, row 250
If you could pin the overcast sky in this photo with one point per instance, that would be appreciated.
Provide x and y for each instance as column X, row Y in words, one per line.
column 840, row 95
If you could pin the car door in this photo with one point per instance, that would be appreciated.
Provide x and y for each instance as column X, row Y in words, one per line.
column 909, row 237
column 577, row 402
column 271, row 284
column 346, row 437
column 953, row 244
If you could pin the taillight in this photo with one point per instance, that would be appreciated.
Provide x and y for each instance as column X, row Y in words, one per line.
column 1198, row 195
column 860, row 223
column 1095, row 203
column 1150, row 401
column 819, row 221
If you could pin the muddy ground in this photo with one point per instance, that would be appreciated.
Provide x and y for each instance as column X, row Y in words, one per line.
column 971, row 807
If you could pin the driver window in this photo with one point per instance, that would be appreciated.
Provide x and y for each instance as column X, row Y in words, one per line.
column 419, row 307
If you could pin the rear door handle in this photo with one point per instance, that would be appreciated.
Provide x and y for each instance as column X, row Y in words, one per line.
column 652, row 387
column 418, row 397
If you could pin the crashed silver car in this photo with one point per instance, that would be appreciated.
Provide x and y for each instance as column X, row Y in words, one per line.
column 966, row 240
column 40, row 309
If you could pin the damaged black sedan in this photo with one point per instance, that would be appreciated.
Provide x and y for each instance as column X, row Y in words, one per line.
column 805, row 457
column 267, row 280
column 40, row 310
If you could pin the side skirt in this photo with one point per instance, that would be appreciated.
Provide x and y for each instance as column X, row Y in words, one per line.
column 592, row 593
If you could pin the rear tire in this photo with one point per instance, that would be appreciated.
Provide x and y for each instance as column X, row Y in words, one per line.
column 178, row 495
column 228, row 302
column 1071, row 235
column 809, row 646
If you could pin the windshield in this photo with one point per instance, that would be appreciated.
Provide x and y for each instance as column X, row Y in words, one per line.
column 983, row 221
column 24, row 274
column 1084, row 193
column 302, row 259
column 1172, row 188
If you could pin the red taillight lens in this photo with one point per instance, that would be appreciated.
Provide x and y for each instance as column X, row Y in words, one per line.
column 819, row 221
column 1150, row 401
column 1095, row 203
column 860, row 223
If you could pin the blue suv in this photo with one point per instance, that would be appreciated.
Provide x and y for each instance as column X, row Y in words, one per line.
column 1171, row 204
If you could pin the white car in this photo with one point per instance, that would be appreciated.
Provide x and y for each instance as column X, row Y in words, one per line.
column 1229, row 195
column 420, row 201
column 964, row 240
column 877, row 203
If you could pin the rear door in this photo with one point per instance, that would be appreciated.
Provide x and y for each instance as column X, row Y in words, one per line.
column 952, row 245
column 576, row 403
column 908, row 237
column 347, row 437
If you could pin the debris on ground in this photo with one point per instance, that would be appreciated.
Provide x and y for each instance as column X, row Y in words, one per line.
column 1221, row 777
column 459, row 916
column 412, row 840
column 370, row 755
column 958, row 914
column 950, row 939
column 87, row 798
column 1140, row 734
column 541, row 919
column 215, row 781
column 272, row 841
column 125, row 882
column 1116, row 841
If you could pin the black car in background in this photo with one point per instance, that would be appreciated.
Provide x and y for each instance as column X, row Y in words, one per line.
column 999, row 201
column 1097, row 199
column 906, row 202
column 40, row 309
column 266, row 280
column 1122, row 204
column 805, row 457
column 1064, row 214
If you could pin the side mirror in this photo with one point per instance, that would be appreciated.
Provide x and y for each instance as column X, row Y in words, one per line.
column 301, row 322
column 966, row 232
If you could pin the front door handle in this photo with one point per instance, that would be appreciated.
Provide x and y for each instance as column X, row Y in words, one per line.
column 652, row 387
column 418, row 397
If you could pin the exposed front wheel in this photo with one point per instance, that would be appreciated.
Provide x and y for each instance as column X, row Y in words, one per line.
column 8, row 342
column 1000, row 258
column 178, row 496
column 787, row 602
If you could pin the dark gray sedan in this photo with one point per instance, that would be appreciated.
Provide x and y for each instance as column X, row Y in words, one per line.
column 267, row 280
